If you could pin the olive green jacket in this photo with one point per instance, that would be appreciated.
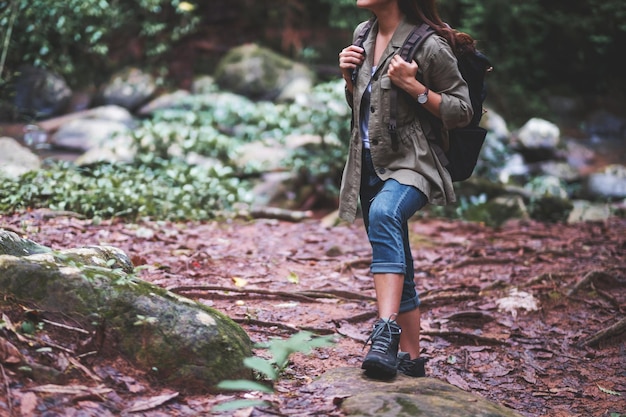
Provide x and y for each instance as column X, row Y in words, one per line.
column 415, row 162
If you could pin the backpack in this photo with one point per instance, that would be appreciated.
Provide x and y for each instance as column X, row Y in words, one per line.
column 466, row 142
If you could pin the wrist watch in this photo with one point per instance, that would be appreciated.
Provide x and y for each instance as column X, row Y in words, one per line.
column 423, row 98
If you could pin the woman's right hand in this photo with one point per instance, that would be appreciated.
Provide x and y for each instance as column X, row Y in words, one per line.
column 349, row 59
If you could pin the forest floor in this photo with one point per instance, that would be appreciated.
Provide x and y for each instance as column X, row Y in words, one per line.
column 527, row 315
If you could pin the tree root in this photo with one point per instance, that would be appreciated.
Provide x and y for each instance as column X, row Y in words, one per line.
column 456, row 335
column 588, row 279
column 305, row 296
column 277, row 213
column 446, row 298
column 615, row 330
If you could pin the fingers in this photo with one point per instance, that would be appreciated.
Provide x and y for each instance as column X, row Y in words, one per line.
column 399, row 67
column 351, row 57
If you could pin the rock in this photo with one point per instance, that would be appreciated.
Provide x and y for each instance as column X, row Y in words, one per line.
column 112, row 113
column 295, row 88
column 579, row 156
column 585, row 211
column 86, row 134
column 546, row 186
column 102, row 133
column 558, row 169
column 99, row 127
column 40, row 93
column 549, row 200
column 403, row 396
column 185, row 344
column 129, row 88
column 259, row 73
column 116, row 149
column 16, row 159
column 204, row 84
column 496, row 124
column 12, row 244
column 610, row 183
column 605, row 125
column 514, row 167
column 538, row 139
column 164, row 101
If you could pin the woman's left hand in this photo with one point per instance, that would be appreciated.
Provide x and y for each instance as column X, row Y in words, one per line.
column 402, row 73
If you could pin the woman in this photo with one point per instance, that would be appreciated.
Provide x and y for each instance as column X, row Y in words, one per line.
column 394, row 181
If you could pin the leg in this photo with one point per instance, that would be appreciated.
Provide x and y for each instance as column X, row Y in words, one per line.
column 388, row 294
column 410, row 336
column 386, row 215
column 389, row 289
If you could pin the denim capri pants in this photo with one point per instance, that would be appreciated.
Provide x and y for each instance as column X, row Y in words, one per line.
column 387, row 207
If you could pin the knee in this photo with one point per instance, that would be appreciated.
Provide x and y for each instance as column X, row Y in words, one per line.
column 383, row 214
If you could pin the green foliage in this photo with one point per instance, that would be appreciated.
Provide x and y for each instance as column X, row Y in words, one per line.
column 73, row 37
column 344, row 15
column 271, row 369
column 540, row 49
column 213, row 126
column 165, row 190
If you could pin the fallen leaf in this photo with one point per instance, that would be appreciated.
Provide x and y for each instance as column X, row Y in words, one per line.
column 293, row 278
column 608, row 391
column 71, row 389
column 239, row 282
column 9, row 353
column 150, row 403
column 28, row 404
column 457, row 381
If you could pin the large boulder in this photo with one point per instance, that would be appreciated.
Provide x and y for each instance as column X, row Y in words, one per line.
column 609, row 183
column 129, row 88
column 261, row 74
column 404, row 396
column 40, row 93
column 107, row 127
column 16, row 159
column 187, row 345
column 538, row 140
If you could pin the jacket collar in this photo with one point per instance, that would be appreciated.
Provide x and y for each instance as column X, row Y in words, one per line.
column 397, row 40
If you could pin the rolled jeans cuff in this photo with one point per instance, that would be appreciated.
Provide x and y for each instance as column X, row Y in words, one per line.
column 388, row 268
column 410, row 304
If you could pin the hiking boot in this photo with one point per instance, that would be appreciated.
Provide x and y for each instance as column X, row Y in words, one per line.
column 381, row 361
column 413, row 368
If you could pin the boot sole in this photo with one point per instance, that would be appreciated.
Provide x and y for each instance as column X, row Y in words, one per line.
column 377, row 370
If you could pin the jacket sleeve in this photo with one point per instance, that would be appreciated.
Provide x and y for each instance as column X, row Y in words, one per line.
column 441, row 74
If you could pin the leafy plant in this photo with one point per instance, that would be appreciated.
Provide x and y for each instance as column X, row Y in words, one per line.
column 72, row 37
column 271, row 369
column 165, row 190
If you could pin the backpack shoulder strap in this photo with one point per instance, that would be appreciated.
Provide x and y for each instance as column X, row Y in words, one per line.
column 414, row 40
column 360, row 40
column 365, row 30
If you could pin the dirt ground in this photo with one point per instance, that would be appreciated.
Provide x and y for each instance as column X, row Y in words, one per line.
column 527, row 315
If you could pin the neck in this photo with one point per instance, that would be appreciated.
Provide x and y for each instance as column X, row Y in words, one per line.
column 388, row 20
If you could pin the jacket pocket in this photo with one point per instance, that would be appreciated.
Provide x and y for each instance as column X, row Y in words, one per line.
column 385, row 100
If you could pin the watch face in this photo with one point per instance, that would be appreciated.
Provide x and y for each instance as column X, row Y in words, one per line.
column 422, row 98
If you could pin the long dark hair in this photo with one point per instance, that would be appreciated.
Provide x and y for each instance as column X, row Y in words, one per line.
column 426, row 11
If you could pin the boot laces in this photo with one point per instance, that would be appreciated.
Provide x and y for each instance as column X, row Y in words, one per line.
column 382, row 336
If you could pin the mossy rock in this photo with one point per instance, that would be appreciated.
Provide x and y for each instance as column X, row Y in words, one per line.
column 186, row 345
column 403, row 397
column 258, row 73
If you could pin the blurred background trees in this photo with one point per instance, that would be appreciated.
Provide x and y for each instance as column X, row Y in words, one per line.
column 540, row 50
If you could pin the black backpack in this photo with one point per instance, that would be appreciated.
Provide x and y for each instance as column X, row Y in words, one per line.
column 464, row 143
